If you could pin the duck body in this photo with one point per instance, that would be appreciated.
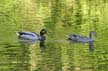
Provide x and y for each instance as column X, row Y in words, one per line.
column 28, row 36
column 74, row 38
column 78, row 38
column 31, row 37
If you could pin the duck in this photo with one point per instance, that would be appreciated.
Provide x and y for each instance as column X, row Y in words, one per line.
column 83, row 39
column 27, row 36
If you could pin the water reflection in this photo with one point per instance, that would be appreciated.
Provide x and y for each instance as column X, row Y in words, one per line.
column 56, row 56
column 14, row 57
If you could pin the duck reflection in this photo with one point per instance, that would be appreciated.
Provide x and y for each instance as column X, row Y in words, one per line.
column 83, row 39
column 42, row 41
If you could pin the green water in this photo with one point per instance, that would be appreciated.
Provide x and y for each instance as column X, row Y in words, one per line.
column 60, row 17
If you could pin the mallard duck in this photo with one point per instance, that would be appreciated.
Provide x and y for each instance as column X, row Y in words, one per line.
column 32, row 36
column 79, row 38
column 82, row 39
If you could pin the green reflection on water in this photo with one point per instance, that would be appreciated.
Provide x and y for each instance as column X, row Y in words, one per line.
column 60, row 17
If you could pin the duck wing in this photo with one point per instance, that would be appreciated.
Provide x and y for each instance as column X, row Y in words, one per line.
column 79, row 38
column 72, row 36
column 28, row 35
column 83, row 39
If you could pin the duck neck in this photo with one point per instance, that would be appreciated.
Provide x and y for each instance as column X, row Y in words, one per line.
column 91, row 36
column 41, row 34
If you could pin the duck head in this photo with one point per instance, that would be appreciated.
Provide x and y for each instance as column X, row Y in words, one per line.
column 92, row 33
column 42, row 32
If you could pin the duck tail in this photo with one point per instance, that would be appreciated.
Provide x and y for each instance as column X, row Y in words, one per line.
column 91, row 46
column 20, row 33
column 17, row 33
column 67, row 35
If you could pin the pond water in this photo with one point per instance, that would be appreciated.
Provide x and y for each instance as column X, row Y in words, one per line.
column 59, row 18
column 59, row 55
